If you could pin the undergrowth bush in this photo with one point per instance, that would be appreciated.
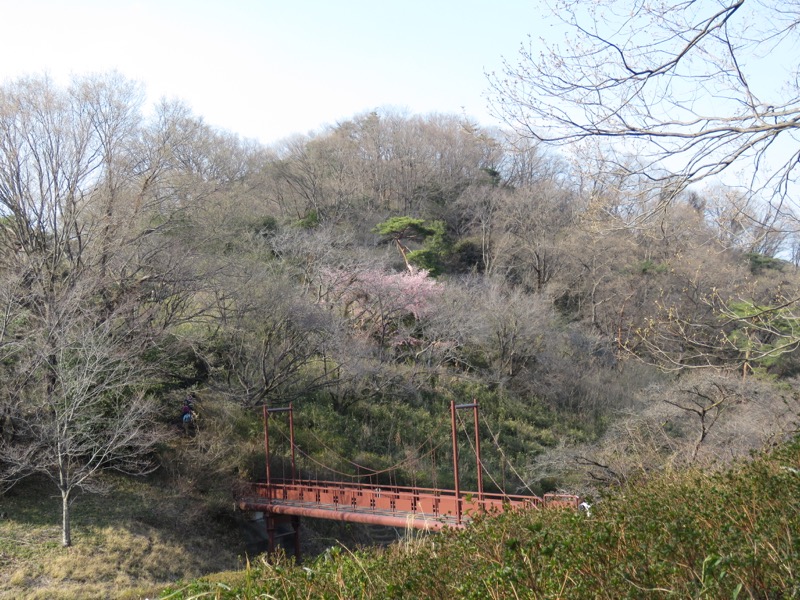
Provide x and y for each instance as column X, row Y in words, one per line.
column 689, row 535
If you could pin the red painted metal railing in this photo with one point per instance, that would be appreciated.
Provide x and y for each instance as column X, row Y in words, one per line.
column 419, row 508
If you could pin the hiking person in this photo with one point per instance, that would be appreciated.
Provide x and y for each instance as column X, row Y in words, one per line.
column 188, row 419
column 187, row 413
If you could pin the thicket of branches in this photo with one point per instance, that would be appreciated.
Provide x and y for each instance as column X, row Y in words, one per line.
column 380, row 267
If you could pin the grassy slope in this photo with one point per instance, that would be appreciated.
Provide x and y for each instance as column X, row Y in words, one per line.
column 146, row 533
column 127, row 544
column 689, row 535
column 681, row 535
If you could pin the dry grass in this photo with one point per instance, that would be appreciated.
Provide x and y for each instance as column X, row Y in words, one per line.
column 127, row 545
column 145, row 535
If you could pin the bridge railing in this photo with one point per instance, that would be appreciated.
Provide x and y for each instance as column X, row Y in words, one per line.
column 400, row 500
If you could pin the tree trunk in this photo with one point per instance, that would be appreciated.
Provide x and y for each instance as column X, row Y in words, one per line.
column 66, row 534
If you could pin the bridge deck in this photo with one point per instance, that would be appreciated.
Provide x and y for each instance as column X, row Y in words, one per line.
column 419, row 508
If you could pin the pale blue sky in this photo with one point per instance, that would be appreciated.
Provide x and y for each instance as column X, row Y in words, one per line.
column 267, row 69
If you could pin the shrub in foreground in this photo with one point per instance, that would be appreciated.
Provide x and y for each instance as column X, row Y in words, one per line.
column 688, row 535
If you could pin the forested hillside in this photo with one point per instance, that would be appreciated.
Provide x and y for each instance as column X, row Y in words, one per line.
column 613, row 278
column 369, row 274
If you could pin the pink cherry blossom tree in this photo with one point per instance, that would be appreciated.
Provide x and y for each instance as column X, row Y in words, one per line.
column 388, row 307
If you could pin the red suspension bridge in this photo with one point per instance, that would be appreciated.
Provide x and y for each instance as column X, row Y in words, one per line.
column 389, row 505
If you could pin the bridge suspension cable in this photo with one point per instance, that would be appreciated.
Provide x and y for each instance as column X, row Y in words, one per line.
column 503, row 455
column 480, row 460
column 499, row 448
column 372, row 472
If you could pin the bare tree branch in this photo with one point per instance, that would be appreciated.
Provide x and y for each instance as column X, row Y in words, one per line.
column 678, row 84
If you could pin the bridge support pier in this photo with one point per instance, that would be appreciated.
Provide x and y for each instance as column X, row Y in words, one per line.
column 272, row 520
column 296, row 527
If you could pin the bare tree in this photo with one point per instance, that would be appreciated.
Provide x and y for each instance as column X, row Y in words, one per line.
column 530, row 224
column 703, row 326
column 272, row 343
column 673, row 94
column 486, row 327
column 706, row 400
column 90, row 412
column 678, row 84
